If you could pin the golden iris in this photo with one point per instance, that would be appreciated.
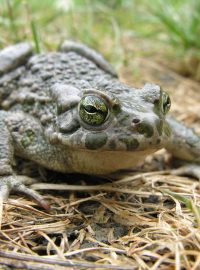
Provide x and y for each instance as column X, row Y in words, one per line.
column 93, row 110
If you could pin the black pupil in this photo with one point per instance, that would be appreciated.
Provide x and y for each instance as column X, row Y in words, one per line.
column 90, row 109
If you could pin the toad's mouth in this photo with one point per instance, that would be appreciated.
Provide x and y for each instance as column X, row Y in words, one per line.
column 116, row 144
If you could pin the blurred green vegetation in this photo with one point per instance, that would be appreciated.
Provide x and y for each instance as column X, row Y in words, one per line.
column 179, row 20
column 107, row 25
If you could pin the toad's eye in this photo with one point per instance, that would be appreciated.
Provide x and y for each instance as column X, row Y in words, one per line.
column 93, row 110
column 166, row 102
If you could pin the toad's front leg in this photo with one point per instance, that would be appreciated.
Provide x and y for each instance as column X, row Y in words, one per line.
column 8, row 180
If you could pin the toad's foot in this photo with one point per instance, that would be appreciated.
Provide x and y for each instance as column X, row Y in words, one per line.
column 13, row 183
column 188, row 169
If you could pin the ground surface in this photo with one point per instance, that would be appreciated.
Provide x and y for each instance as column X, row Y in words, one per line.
column 144, row 220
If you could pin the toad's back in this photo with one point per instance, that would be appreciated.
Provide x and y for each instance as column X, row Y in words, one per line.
column 29, row 86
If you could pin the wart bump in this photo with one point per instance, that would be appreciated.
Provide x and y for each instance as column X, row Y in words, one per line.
column 66, row 96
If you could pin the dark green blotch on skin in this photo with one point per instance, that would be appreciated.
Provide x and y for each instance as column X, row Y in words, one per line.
column 95, row 140
column 27, row 138
column 30, row 101
column 145, row 129
column 27, row 107
column 131, row 143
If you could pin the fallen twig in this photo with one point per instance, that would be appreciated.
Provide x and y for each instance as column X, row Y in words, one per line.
column 66, row 263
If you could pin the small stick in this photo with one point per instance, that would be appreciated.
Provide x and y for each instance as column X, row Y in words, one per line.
column 67, row 263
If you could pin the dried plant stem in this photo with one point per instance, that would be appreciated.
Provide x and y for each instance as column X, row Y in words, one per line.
column 29, row 258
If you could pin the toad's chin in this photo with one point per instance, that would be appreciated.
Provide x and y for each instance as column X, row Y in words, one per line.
column 103, row 162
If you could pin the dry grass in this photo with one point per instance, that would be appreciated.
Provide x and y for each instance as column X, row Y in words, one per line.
column 134, row 223
column 141, row 221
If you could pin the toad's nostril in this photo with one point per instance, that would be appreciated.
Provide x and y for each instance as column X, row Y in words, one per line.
column 136, row 121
